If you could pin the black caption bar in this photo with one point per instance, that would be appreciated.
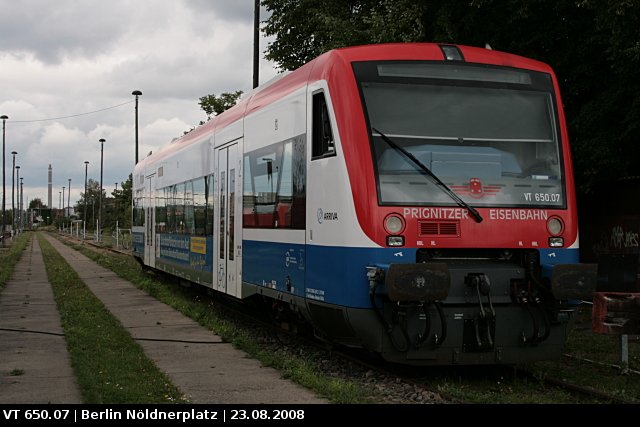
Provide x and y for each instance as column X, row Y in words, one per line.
column 315, row 415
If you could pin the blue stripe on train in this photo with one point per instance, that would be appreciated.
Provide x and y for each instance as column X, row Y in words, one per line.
column 335, row 275
column 338, row 275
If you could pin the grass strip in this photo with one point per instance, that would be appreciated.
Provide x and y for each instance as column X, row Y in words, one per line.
column 110, row 367
column 10, row 255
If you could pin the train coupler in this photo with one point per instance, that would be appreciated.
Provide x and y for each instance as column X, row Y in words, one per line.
column 526, row 297
column 479, row 332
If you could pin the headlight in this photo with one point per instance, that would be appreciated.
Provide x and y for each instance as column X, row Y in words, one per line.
column 555, row 227
column 394, row 224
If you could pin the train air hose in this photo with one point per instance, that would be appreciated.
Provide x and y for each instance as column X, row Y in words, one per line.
column 534, row 336
column 443, row 323
column 437, row 340
column 536, row 301
column 388, row 328
column 420, row 340
column 547, row 324
column 543, row 312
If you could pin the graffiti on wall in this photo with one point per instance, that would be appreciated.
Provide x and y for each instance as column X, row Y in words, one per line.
column 617, row 239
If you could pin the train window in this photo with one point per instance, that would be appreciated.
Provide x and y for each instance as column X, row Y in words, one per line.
column 189, row 223
column 186, row 208
column 323, row 144
column 178, row 206
column 232, row 216
column 171, row 210
column 199, row 205
column 138, row 211
column 274, row 182
column 161, row 211
column 222, row 199
column 248, row 195
column 298, row 183
column 489, row 133
column 209, row 211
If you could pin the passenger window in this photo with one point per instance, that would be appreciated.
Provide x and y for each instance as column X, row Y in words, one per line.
column 161, row 211
column 323, row 144
column 274, row 188
column 199, row 205
column 209, row 209
column 189, row 223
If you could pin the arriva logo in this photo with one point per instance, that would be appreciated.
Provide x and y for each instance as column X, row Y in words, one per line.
column 326, row 216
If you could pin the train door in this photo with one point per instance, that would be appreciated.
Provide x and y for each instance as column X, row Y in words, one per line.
column 149, row 223
column 228, row 248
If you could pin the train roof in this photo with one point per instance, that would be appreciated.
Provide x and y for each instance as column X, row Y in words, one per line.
column 329, row 65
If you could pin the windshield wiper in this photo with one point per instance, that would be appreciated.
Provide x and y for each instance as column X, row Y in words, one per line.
column 474, row 213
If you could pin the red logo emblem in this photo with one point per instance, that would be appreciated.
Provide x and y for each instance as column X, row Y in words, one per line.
column 475, row 189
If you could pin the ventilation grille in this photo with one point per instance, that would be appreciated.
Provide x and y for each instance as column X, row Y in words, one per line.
column 439, row 228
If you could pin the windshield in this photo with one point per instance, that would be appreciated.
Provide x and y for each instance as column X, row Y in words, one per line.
column 488, row 133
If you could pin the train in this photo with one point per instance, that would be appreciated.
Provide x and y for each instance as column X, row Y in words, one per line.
column 415, row 200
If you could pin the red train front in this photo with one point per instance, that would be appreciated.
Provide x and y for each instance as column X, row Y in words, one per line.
column 460, row 174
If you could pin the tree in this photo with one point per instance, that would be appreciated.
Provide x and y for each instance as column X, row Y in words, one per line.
column 214, row 105
column 36, row 203
column 114, row 208
column 90, row 200
column 305, row 29
column 593, row 46
column 122, row 207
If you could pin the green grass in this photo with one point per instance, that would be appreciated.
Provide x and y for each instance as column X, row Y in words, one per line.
column 603, row 348
column 10, row 255
column 499, row 384
column 109, row 365
column 583, row 343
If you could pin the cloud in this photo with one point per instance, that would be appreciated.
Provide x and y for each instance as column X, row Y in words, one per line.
column 69, row 57
column 56, row 30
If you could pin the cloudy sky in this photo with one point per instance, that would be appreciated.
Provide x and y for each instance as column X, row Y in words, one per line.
column 81, row 58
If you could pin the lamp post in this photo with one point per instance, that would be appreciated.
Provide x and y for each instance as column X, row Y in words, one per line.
column 137, row 93
column 4, row 120
column 20, row 204
column 68, row 199
column 63, row 210
column 115, row 197
column 84, row 215
column 13, row 205
column 256, row 43
column 15, row 221
column 102, row 140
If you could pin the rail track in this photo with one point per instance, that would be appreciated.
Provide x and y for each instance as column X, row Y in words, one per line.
column 417, row 385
